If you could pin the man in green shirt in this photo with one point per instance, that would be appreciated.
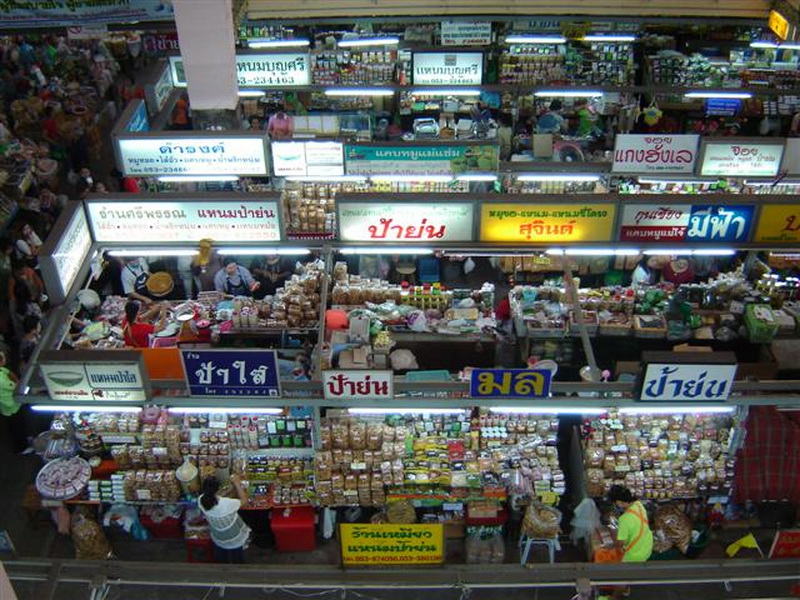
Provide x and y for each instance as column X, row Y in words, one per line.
column 634, row 529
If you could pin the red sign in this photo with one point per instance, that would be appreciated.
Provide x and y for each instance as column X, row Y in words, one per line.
column 786, row 544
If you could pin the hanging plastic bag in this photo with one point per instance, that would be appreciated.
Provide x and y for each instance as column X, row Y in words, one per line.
column 585, row 521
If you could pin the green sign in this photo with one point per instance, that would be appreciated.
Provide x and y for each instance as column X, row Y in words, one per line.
column 403, row 159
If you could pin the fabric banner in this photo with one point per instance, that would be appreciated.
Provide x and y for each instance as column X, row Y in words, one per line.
column 63, row 13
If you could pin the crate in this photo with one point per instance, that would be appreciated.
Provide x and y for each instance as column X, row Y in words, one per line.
column 616, row 329
column 650, row 326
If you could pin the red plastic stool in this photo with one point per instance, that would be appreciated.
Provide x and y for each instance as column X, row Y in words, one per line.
column 200, row 550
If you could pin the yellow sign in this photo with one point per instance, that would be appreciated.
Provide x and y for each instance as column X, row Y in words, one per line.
column 370, row 545
column 778, row 24
column 547, row 223
column 779, row 223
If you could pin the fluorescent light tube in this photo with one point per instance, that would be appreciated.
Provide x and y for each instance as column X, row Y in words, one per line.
column 789, row 47
column 261, row 251
column 535, row 39
column 601, row 252
column 763, row 45
column 329, row 178
column 608, row 37
column 250, row 93
column 182, row 410
column 549, row 410
column 411, row 178
column 386, row 250
column 651, row 181
column 376, row 41
column 85, row 408
column 570, row 177
column 359, row 92
column 770, row 183
column 714, row 252
column 406, row 411
column 477, row 177
column 198, row 178
column 153, row 252
column 667, row 252
column 722, row 95
column 676, row 410
column 445, row 92
column 568, row 94
column 298, row 43
column 554, row 252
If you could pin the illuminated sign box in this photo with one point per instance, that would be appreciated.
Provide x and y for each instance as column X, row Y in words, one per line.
column 741, row 158
column 315, row 159
column 635, row 153
column 547, row 223
column 405, row 222
column 285, row 69
column 447, row 68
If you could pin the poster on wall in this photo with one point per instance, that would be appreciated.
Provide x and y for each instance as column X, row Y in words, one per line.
column 226, row 220
column 685, row 222
column 61, row 264
column 318, row 158
column 286, row 69
column 447, row 68
column 634, row 153
column 741, row 158
column 405, row 222
column 63, row 13
column 778, row 223
column 404, row 159
column 195, row 155
column 535, row 223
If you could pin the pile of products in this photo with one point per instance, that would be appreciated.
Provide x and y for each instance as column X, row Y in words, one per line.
column 356, row 67
column 533, row 64
column 310, row 209
column 673, row 68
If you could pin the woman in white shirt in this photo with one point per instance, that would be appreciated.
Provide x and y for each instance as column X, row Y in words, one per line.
column 228, row 532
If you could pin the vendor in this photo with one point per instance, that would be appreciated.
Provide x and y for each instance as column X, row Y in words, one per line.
column 134, row 277
column 271, row 272
column 136, row 331
column 634, row 534
column 27, row 245
column 234, row 280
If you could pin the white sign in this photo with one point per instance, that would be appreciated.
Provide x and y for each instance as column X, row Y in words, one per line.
column 405, row 222
column 692, row 383
column 307, row 158
column 197, row 155
column 448, row 68
column 119, row 381
column 228, row 220
column 791, row 157
column 358, row 385
column 62, row 266
column 259, row 70
column 742, row 159
column 158, row 93
column 635, row 153
column 87, row 32
column 466, row 33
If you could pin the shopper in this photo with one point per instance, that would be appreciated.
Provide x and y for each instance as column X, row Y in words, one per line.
column 11, row 409
column 28, row 245
column 634, row 534
column 136, row 330
column 31, row 332
column 228, row 532
column 551, row 121
column 271, row 272
column 234, row 280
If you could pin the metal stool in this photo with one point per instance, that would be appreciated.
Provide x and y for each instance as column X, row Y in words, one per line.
column 525, row 544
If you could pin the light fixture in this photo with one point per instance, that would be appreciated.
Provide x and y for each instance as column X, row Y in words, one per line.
column 196, row 178
column 153, row 252
column 720, row 95
column 554, row 252
column 714, row 252
column 568, row 94
column 376, row 41
column 385, row 250
column 601, row 252
column 548, row 410
column 361, row 91
column 752, row 183
column 608, row 37
column 569, row 177
column 789, row 47
column 666, row 252
column 651, row 181
column 298, row 43
column 411, row 178
column 477, row 177
column 261, row 251
column 217, row 410
column 328, row 178
column 444, row 92
column 250, row 93
column 763, row 44
column 406, row 411
column 676, row 410
column 535, row 39
column 85, row 408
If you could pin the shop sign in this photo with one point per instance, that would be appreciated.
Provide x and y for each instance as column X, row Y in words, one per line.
column 158, row 93
column 778, row 223
column 448, row 68
column 685, row 222
column 259, row 70
column 61, row 267
column 722, row 107
column 103, row 381
column 406, row 222
column 547, row 223
column 227, row 220
column 420, row 160
column 159, row 44
column 240, row 373
column 741, row 159
column 138, row 120
column 635, row 153
column 466, row 33
column 786, row 544
column 87, row 32
column 324, row 159
column 355, row 384
column 63, row 14
column 196, row 155
column 391, row 545
column 778, row 24
column 509, row 383
column 687, row 382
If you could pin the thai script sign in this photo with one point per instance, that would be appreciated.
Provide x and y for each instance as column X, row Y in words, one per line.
column 509, row 383
column 158, row 92
column 368, row 545
column 547, row 222
column 159, row 44
column 696, row 383
column 307, row 158
column 61, row 266
column 655, row 153
column 227, row 220
column 685, row 222
column 83, row 381
column 741, row 159
column 61, row 13
column 448, row 68
column 466, row 33
column 197, row 155
column 778, row 223
column 406, row 222
column 138, row 120
column 259, row 70
column 242, row 373
column 358, row 384
column 420, row 160
column 786, row 544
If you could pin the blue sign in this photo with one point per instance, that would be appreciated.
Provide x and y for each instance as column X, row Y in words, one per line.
column 722, row 107
column 510, row 383
column 716, row 223
column 244, row 373
column 139, row 120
